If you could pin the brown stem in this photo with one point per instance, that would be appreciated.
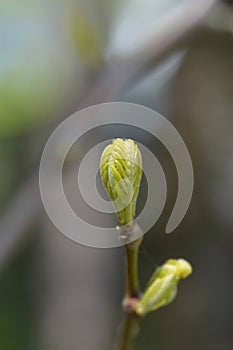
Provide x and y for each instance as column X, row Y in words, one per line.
column 127, row 332
column 129, row 323
column 132, row 282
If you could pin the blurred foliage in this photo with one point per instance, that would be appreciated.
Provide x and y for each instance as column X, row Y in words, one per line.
column 40, row 73
column 12, row 166
column 33, row 68
column 87, row 41
column 16, row 320
column 90, row 27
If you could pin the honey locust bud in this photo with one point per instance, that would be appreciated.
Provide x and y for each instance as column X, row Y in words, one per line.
column 162, row 288
column 121, row 171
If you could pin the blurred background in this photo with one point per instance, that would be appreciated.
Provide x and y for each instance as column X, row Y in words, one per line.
column 175, row 56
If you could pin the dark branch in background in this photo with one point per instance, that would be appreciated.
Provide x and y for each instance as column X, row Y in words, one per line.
column 228, row 2
column 18, row 219
column 174, row 32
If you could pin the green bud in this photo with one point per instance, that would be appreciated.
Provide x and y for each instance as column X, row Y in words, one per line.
column 121, row 171
column 162, row 288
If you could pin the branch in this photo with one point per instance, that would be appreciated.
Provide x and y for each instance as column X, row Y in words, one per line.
column 172, row 32
column 18, row 219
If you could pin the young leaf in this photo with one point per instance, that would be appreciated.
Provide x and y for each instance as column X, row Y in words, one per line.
column 121, row 171
column 162, row 288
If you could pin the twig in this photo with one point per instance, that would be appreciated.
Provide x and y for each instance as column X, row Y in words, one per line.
column 129, row 323
column 132, row 289
column 128, row 331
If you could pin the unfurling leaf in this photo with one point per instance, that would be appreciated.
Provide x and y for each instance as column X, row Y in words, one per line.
column 121, row 171
column 162, row 288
